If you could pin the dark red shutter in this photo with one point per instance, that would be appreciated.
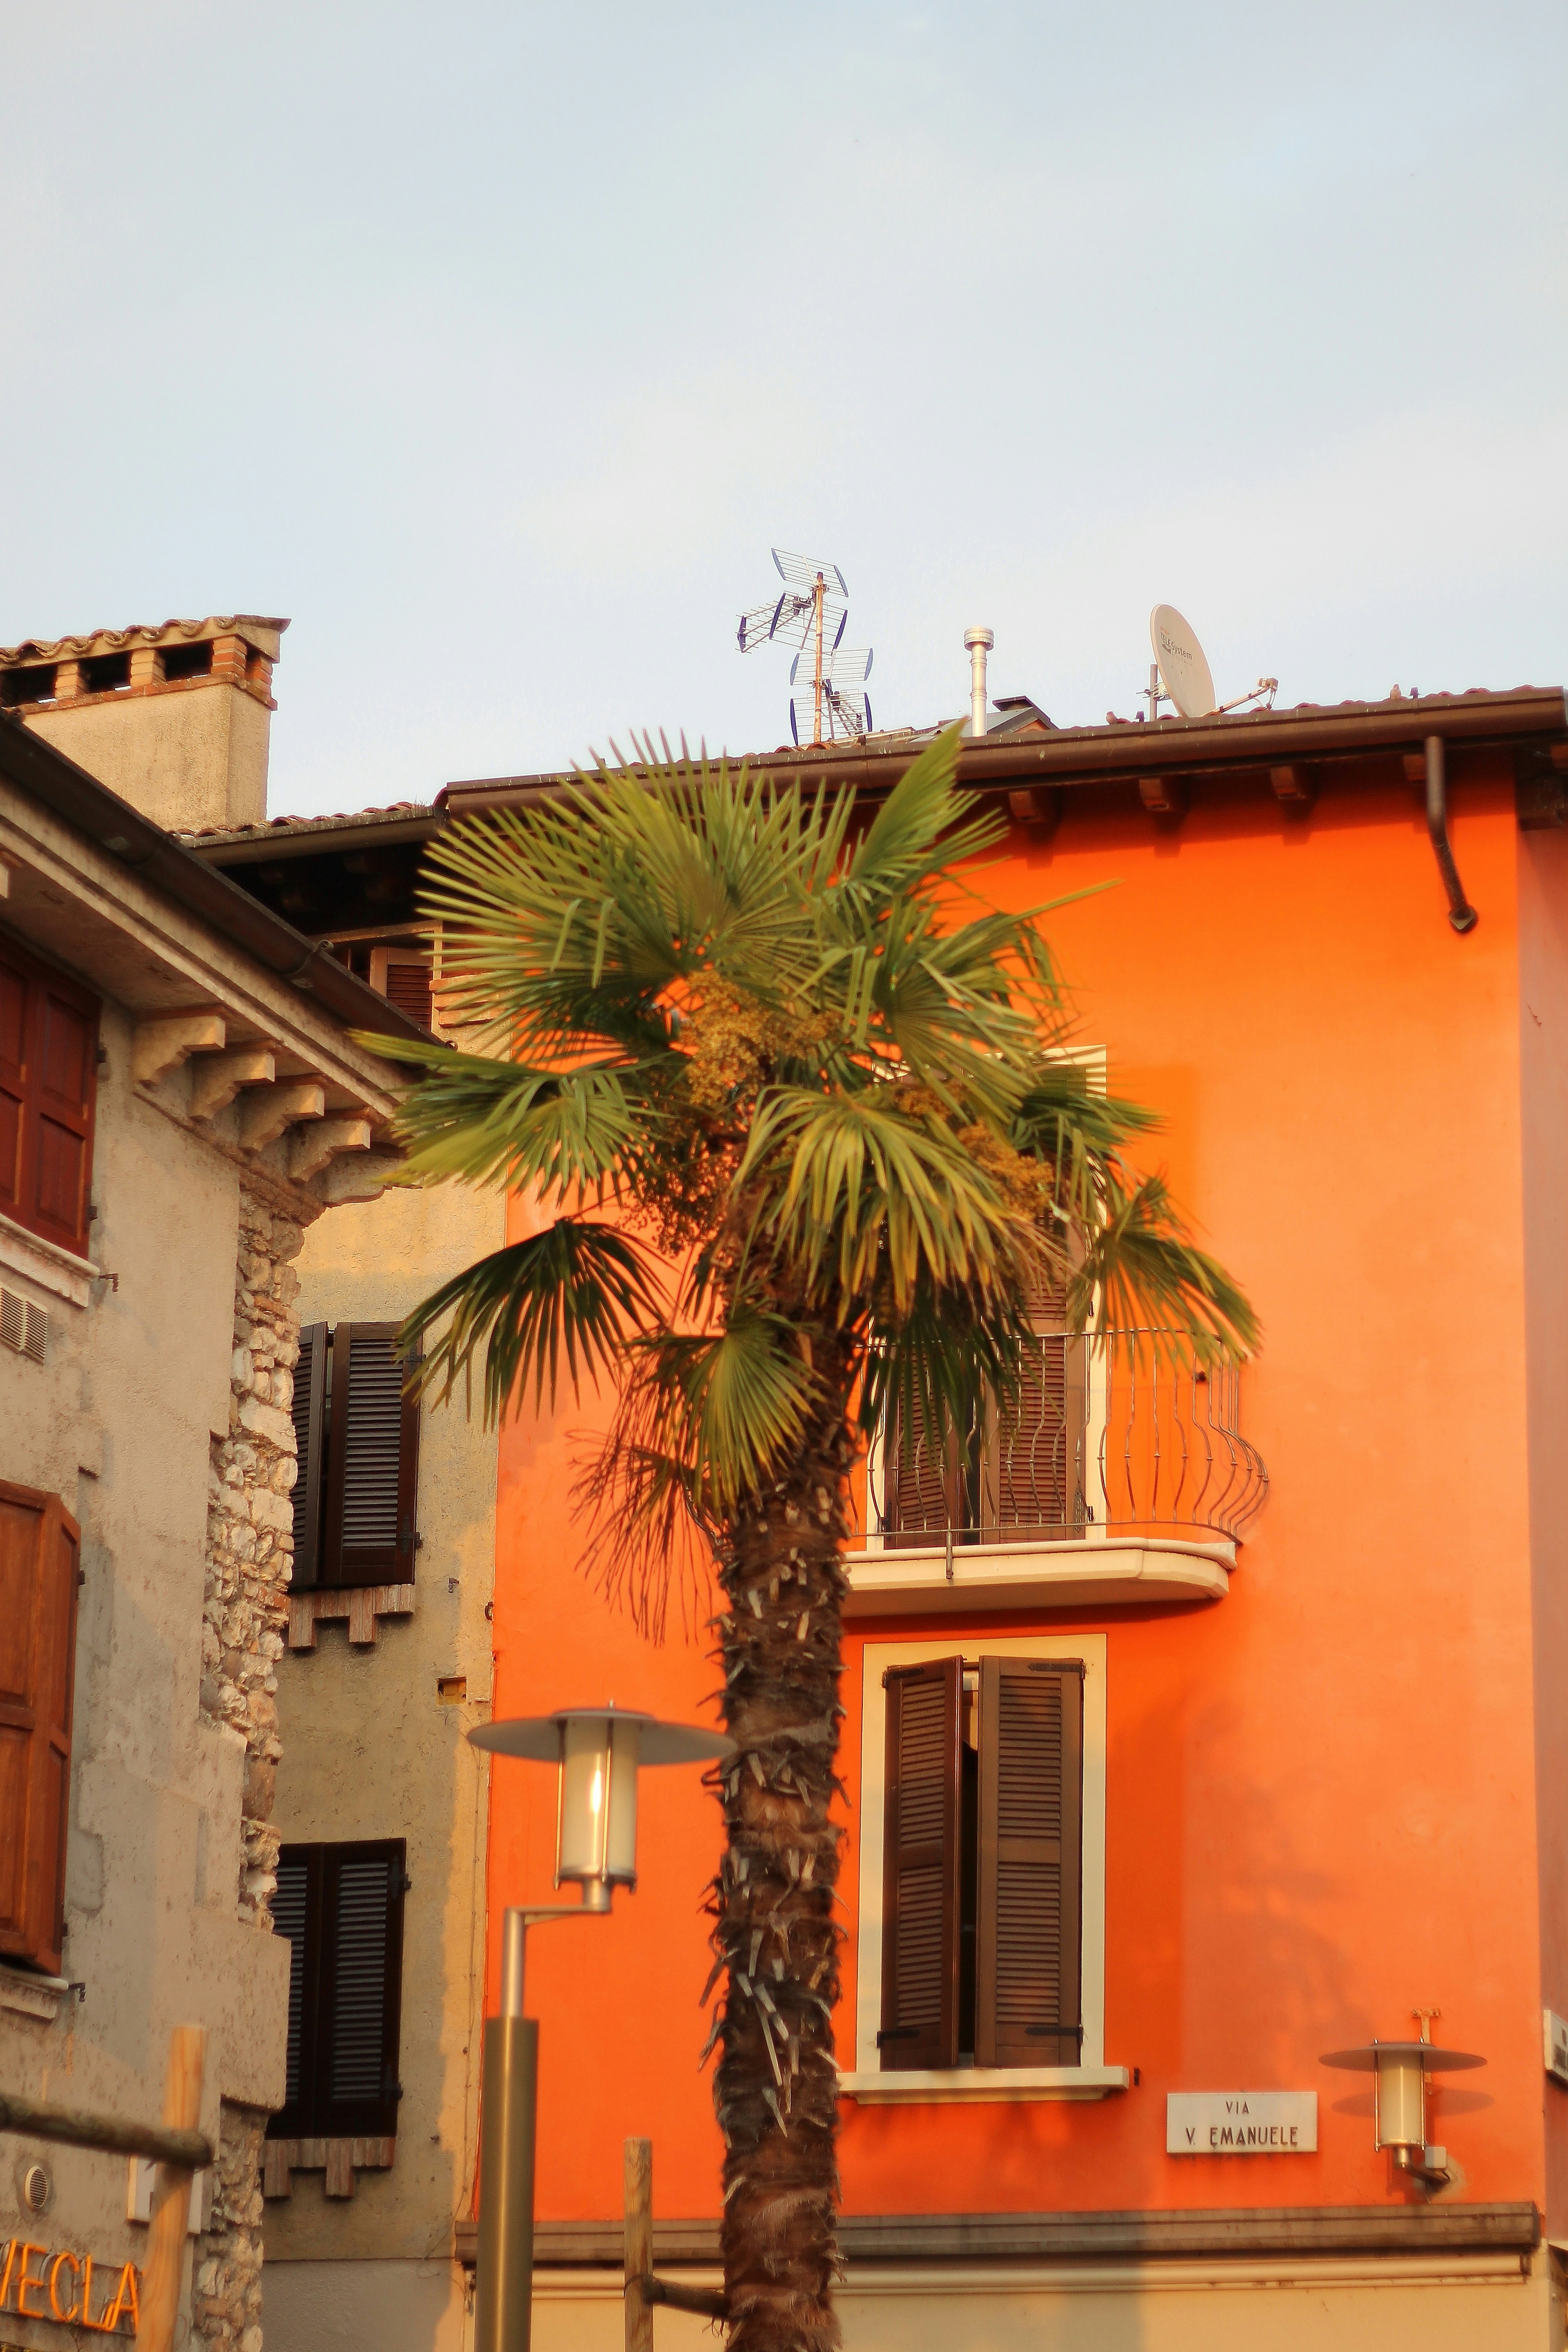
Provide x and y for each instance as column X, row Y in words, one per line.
column 921, row 1866
column 309, row 1415
column 49, row 1085
column 38, row 1551
column 342, row 1908
column 1026, row 1959
column 372, row 1461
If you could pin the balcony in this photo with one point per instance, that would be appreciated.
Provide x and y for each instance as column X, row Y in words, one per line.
column 1119, row 1474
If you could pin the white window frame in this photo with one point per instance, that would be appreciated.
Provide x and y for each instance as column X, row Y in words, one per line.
column 1092, row 2078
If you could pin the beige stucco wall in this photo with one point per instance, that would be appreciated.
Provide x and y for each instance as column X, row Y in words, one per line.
column 187, row 756
column 1464, row 2306
column 119, row 1421
column 370, row 1751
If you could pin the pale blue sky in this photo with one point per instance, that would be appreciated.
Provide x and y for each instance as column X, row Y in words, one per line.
column 495, row 345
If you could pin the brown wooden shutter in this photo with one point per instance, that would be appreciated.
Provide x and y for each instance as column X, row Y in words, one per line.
column 922, row 1865
column 309, row 1415
column 923, row 1476
column 372, row 1461
column 1026, row 1955
column 48, row 1086
column 38, row 1551
column 405, row 979
column 342, row 1908
column 297, row 1914
column 1034, row 1474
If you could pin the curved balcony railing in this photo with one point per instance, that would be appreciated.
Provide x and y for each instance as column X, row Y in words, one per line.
column 1122, row 1433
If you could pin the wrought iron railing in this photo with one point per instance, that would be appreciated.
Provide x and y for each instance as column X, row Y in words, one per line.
column 1118, row 1434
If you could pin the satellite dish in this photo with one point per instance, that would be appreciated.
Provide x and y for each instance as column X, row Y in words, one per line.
column 1182, row 668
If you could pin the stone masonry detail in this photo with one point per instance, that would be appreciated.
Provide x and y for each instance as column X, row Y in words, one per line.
column 249, row 1562
column 250, row 1532
column 227, row 2298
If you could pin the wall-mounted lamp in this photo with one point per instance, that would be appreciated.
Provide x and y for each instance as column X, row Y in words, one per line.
column 597, row 1752
column 1399, row 2072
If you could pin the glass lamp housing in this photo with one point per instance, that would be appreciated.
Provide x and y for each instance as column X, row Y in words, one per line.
column 596, row 1824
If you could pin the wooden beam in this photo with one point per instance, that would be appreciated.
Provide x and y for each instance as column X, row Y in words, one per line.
column 172, row 2195
column 1292, row 787
column 637, row 2172
column 214, row 1082
column 1038, row 806
column 165, row 1040
column 79, row 2127
column 1163, row 795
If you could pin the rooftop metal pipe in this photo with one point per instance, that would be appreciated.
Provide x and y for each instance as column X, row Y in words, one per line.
column 979, row 641
column 1461, row 914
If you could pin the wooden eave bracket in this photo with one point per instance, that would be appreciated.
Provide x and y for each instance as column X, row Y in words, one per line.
column 363, row 1605
column 267, row 1110
column 1037, row 806
column 1294, row 787
column 1164, row 796
column 1541, row 787
column 322, row 1141
column 216, row 1080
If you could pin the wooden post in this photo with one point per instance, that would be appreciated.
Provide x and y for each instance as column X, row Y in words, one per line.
column 172, row 2195
column 639, row 2243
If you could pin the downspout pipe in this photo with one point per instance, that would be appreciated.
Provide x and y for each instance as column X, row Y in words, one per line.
column 1461, row 914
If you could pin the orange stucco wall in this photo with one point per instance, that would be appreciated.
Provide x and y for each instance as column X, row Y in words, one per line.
column 1322, row 1802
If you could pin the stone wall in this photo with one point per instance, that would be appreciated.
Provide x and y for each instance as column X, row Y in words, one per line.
column 250, row 1558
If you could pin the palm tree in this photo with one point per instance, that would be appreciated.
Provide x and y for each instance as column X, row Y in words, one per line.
column 795, row 1106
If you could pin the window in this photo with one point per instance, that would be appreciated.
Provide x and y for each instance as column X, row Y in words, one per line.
column 405, row 979
column 980, row 1963
column 981, row 1877
column 356, row 1485
column 340, row 1907
column 39, row 1545
column 1019, row 1470
column 49, row 1084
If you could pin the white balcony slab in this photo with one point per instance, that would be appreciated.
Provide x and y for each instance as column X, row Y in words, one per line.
column 971, row 2085
column 1098, row 1573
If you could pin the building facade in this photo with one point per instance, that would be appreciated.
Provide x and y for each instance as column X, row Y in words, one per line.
column 180, row 1102
column 387, row 1667
column 1302, row 1750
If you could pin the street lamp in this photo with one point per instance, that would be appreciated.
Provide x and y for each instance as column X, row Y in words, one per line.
column 1399, row 2072
column 597, row 1752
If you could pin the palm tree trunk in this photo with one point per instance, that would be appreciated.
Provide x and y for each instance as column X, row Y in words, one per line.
column 776, row 1936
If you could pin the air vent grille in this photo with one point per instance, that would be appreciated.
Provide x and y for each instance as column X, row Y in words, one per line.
column 22, row 1326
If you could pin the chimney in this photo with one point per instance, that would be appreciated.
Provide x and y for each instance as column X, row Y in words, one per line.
column 979, row 641
column 175, row 720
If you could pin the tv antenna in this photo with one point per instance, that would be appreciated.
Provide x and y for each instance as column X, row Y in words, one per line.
column 812, row 615
column 1180, row 675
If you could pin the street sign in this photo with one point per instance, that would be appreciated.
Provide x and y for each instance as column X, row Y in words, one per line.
column 1241, row 2123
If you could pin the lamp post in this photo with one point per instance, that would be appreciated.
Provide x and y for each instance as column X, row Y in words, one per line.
column 597, row 1752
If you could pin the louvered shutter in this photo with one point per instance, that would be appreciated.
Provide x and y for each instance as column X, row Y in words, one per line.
column 372, row 1448
column 1028, row 1928
column 297, row 1914
column 922, row 1865
column 408, row 986
column 1034, row 1480
column 48, row 1084
column 39, row 1551
column 309, row 1413
column 361, row 1989
column 924, row 1482
column 13, row 994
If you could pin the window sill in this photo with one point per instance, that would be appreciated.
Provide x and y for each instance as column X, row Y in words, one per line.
column 1100, row 1572
column 32, row 1996
column 952, row 2087
column 45, row 1263
column 362, row 1604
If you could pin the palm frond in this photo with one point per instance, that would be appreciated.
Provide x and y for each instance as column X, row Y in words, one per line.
column 572, row 1294
column 1145, row 1268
